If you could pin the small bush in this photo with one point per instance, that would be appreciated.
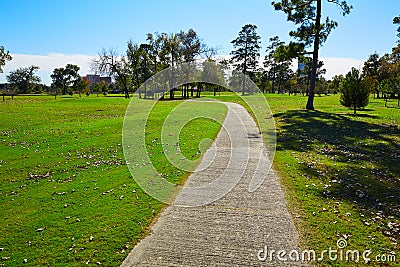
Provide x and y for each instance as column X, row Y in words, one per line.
column 354, row 91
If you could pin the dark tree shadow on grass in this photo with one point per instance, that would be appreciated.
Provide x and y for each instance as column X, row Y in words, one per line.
column 359, row 160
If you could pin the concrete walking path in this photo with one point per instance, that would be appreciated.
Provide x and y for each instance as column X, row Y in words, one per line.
column 232, row 230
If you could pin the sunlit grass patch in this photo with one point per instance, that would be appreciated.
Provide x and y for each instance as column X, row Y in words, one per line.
column 67, row 197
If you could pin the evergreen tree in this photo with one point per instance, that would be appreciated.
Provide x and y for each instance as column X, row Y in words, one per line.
column 354, row 91
column 312, row 30
column 270, row 63
column 247, row 51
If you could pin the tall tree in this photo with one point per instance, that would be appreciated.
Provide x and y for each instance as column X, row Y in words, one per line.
column 213, row 74
column 395, row 73
column 4, row 57
column 396, row 21
column 311, row 31
column 269, row 61
column 190, row 44
column 247, row 51
column 23, row 80
column 386, row 67
column 173, row 56
column 335, row 83
column 191, row 47
column 172, row 49
column 145, row 65
column 283, row 62
column 155, row 42
column 133, row 61
column 109, row 63
column 66, row 78
column 371, row 72
column 283, row 73
column 385, row 88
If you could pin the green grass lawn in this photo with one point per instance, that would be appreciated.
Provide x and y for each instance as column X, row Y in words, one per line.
column 341, row 173
column 66, row 195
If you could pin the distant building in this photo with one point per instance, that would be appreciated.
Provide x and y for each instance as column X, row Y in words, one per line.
column 301, row 67
column 94, row 78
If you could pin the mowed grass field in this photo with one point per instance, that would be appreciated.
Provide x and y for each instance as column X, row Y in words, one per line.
column 67, row 197
column 341, row 175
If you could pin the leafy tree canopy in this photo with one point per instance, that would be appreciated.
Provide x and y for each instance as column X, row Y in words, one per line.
column 65, row 78
column 312, row 30
column 4, row 57
column 23, row 80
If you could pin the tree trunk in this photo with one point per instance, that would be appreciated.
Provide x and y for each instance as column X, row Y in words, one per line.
column 244, row 69
column 313, row 79
column 279, row 85
column 3, row 97
column 355, row 109
column 199, row 88
column 243, row 85
column 172, row 86
column 273, row 85
column 122, row 79
column 125, row 88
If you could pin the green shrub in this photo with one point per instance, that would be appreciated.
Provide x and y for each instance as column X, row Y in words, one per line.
column 354, row 91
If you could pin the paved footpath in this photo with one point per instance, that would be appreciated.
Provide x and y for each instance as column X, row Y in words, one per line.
column 232, row 230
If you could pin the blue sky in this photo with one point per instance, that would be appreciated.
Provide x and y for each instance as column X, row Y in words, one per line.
column 49, row 33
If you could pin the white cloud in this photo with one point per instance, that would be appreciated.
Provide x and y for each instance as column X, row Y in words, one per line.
column 335, row 66
column 47, row 64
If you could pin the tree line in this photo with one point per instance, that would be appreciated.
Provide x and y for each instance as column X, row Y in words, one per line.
column 162, row 51
column 167, row 50
column 380, row 76
column 275, row 73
